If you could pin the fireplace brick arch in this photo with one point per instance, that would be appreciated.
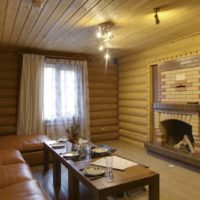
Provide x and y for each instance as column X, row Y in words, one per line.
column 191, row 118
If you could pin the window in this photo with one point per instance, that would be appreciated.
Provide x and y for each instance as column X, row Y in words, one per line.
column 59, row 92
column 65, row 96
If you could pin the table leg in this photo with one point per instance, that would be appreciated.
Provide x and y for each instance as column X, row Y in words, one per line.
column 154, row 188
column 45, row 159
column 73, row 187
column 56, row 173
column 100, row 196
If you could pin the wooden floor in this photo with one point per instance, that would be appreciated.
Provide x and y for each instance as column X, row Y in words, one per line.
column 176, row 182
column 47, row 183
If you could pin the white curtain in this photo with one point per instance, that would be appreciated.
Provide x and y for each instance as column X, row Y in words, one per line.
column 30, row 111
column 66, row 97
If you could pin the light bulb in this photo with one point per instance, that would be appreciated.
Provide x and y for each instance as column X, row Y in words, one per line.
column 109, row 34
column 101, row 48
column 107, row 56
column 99, row 34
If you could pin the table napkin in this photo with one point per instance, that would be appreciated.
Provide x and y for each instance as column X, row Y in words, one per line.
column 118, row 163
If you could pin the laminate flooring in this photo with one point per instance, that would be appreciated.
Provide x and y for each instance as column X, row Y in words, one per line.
column 176, row 182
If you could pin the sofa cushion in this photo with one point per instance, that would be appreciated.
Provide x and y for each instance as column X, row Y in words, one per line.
column 23, row 143
column 30, row 190
column 15, row 173
column 10, row 156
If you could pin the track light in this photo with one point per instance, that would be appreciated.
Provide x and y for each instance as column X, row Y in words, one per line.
column 157, row 20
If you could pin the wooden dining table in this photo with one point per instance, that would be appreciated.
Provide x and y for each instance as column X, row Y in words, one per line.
column 130, row 178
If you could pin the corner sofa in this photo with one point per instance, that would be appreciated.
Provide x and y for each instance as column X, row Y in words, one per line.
column 16, row 179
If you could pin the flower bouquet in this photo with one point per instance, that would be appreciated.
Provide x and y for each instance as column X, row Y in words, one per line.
column 73, row 134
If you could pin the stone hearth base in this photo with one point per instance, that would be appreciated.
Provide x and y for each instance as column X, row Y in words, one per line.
column 191, row 161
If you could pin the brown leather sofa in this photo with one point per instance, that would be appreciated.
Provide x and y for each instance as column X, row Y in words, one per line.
column 31, row 146
column 16, row 180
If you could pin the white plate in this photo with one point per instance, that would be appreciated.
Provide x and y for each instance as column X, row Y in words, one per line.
column 71, row 154
column 57, row 145
column 100, row 150
column 94, row 171
column 61, row 140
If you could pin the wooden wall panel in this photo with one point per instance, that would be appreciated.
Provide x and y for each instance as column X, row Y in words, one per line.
column 10, row 67
column 135, row 87
column 103, row 100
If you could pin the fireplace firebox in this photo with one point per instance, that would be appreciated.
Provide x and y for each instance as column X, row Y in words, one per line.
column 175, row 130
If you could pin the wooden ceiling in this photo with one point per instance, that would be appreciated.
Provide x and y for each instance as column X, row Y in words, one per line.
column 70, row 25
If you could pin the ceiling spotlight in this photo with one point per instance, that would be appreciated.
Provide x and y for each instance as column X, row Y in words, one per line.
column 107, row 56
column 110, row 34
column 101, row 48
column 157, row 20
column 99, row 34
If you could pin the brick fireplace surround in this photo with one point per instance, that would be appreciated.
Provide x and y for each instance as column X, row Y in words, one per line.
column 185, row 113
column 176, row 96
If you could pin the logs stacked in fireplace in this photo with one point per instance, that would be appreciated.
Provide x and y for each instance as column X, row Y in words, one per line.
column 185, row 144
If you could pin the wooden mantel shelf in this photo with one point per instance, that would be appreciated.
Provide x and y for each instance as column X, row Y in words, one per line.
column 177, row 107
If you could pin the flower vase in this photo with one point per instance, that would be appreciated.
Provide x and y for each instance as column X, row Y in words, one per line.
column 74, row 147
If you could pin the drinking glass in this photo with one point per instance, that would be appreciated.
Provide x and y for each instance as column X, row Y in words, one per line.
column 66, row 146
column 88, row 151
column 109, row 173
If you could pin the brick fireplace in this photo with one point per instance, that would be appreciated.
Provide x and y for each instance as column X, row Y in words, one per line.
column 188, row 114
column 176, row 109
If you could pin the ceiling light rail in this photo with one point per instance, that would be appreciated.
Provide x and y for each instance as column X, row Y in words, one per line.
column 157, row 20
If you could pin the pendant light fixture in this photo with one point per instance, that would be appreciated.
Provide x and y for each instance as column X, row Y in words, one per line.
column 104, row 36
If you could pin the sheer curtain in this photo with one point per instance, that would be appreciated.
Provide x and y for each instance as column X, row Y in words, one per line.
column 65, row 96
column 30, row 111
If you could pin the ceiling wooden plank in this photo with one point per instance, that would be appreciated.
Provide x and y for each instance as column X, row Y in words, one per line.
column 85, row 23
column 74, row 9
column 19, row 22
column 155, row 31
column 84, row 10
column 70, row 25
column 12, row 11
column 108, row 11
column 28, row 24
column 48, row 10
column 82, row 25
column 55, row 17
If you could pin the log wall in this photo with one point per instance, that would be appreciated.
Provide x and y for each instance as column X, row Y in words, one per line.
column 135, row 86
column 103, row 91
column 10, row 67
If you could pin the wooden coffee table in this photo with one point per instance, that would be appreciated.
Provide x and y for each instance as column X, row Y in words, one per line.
column 133, row 177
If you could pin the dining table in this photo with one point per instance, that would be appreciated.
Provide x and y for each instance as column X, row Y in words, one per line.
column 123, row 180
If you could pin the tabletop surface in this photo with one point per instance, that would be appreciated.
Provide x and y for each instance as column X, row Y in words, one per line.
column 129, row 175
